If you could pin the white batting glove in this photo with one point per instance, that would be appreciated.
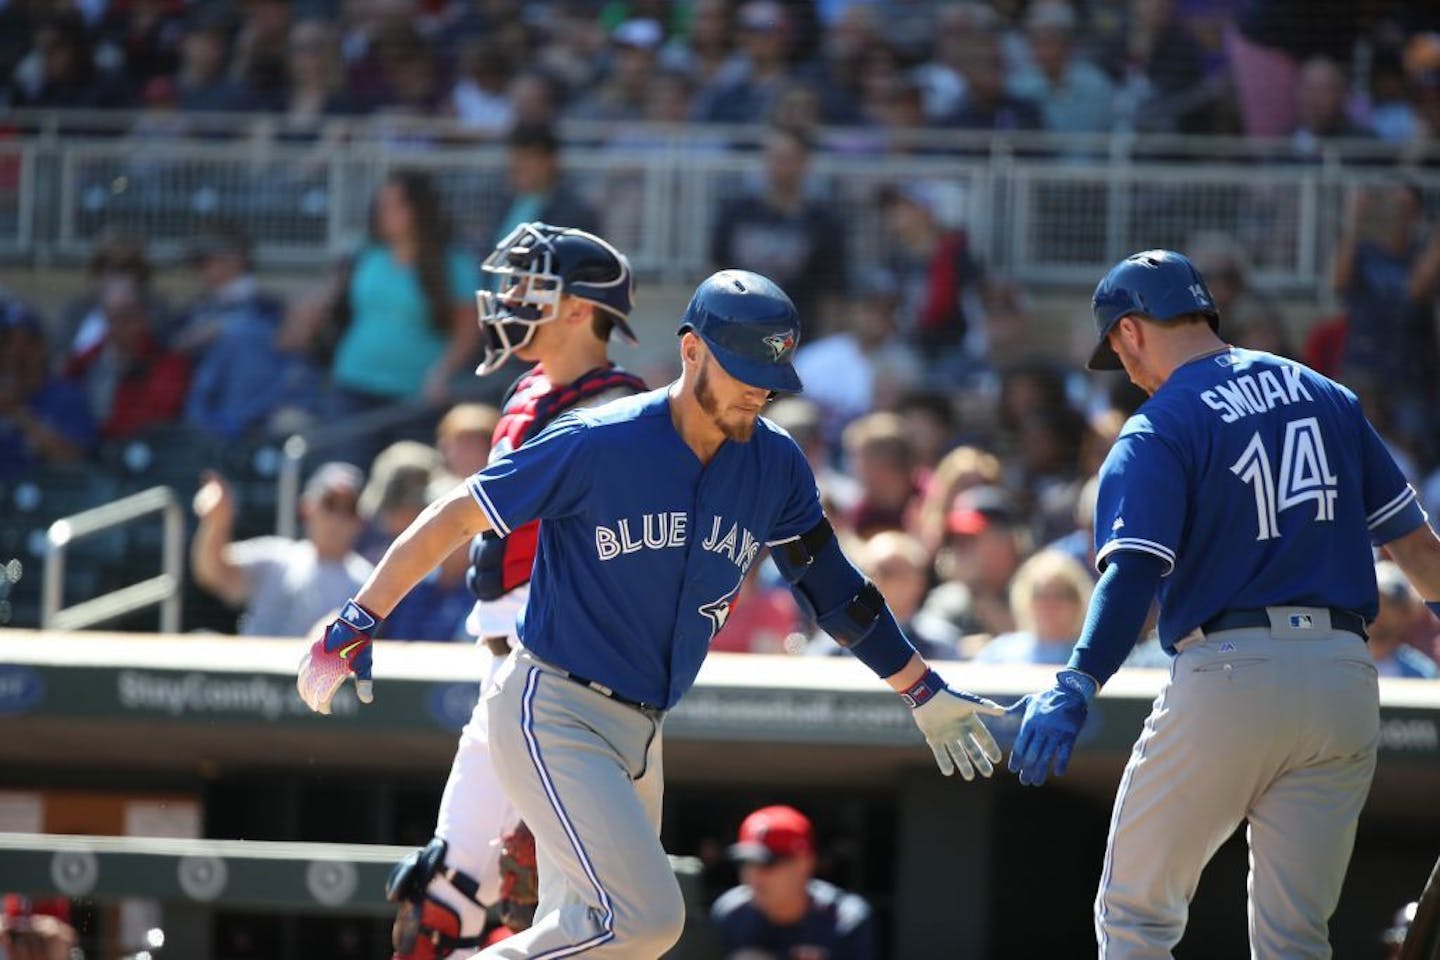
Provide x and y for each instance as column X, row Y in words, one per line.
column 950, row 720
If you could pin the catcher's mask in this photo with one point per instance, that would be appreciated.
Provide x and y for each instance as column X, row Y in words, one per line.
column 534, row 267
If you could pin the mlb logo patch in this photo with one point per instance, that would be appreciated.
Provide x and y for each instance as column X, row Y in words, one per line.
column 1225, row 360
column 1302, row 621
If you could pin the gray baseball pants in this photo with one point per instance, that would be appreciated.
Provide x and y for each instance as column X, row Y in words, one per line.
column 585, row 773
column 1277, row 727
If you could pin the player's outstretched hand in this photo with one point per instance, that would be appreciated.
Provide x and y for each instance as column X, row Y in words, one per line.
column 950, row 720
column 341, row 652
column 1050, row 722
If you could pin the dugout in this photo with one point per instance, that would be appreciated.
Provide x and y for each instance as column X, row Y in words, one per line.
column 96, row 726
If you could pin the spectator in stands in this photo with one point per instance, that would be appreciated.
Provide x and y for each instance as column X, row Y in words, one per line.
column 705, row 53
column 862, row 365
column 480, row 98
column 942, row 78
column 802, row 418
column 897, row 564
column 1252, row 318
column 930, row 420
column 780, row 909
column 940, row 280
column 408, row 309
column 534, row 100
column 745, row 91
column 787, row 234
column 1421, row 59
column 258, row 62
column 284, row 586
column 395, row 494
column 1388, row 279
column 537, row 187
column 983, row 546
column 1049, row 597
column 961, row 469
column 881, row 457
column 463, row 437
column 242, row 375
column 985, row 103
column 28, row 933
column 409, row 80
column 43, row 419
column 1158, row 69
column 571, row 47
column 313, row 93
column 1270, row 41
column 1321, row 93
column 1074, row 95
column 117, row 258
column 436, row 608
column 1395, row 626
column 1079, row 543
column 1044, row 469
column 634, row 45
column 60, row 72
column 133, row 381
column 204, row 84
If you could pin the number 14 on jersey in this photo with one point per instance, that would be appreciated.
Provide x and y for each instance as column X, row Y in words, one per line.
column 1304, row 476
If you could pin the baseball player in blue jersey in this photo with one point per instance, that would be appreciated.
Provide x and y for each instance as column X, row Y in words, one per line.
column 1247, row 492
column 653, row 509
column 562, row 294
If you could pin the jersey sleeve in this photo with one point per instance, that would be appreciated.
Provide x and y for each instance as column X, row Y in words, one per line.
column 801, row 510
column 1391, row 507
column 545, row 478
column 1141, row 505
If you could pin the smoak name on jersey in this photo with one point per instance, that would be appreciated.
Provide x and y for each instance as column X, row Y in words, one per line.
column 632, row 520
column 1323, row 489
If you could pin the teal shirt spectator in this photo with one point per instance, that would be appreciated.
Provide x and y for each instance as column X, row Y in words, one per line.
column 391, row 344
column 1082, row 102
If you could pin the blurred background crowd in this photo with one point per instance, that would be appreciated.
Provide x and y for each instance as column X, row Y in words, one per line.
column 1277, row 68
column 954, row 443
column 954, row 434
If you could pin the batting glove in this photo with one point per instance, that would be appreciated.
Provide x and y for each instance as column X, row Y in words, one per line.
column 1051, row 720
column 950, row 720
column 342, row 652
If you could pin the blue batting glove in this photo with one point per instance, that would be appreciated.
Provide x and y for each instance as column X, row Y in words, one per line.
column 343, row 651
column 1051, row 721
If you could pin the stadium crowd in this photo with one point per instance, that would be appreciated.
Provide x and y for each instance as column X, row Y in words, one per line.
column 1274, row 68
column 957, row 462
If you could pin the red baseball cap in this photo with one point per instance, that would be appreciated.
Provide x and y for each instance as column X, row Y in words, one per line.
column 773, row 833
column 977, row 509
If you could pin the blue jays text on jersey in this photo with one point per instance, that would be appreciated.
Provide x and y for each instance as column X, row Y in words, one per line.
column 1323, row 488
column 642, row 548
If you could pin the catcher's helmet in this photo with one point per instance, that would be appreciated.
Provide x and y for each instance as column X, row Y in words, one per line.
column 750, row 326
column 1157, row 285
column 536, row 265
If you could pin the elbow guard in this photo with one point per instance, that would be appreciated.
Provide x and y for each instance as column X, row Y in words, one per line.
column 847, row 606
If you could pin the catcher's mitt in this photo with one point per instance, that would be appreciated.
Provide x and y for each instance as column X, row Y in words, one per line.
column 519, row 879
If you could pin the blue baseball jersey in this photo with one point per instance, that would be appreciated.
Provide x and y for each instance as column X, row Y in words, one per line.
column 1259, row 482
column 642, row 548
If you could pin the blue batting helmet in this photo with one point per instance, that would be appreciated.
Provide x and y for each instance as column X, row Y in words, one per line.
column 750, row 326
column 1158, row 285
column 537, row 264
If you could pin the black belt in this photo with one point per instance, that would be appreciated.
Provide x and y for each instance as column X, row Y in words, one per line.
column 1243, row 619
column 604, row 691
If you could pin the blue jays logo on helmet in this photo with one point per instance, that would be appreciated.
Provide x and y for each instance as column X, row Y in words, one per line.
column 1157, row 285
column 751, row 327
column 537, row 264
column 780, row 343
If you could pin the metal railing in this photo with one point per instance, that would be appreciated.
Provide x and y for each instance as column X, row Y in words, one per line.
column 163, row 590
column 1044, row 208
